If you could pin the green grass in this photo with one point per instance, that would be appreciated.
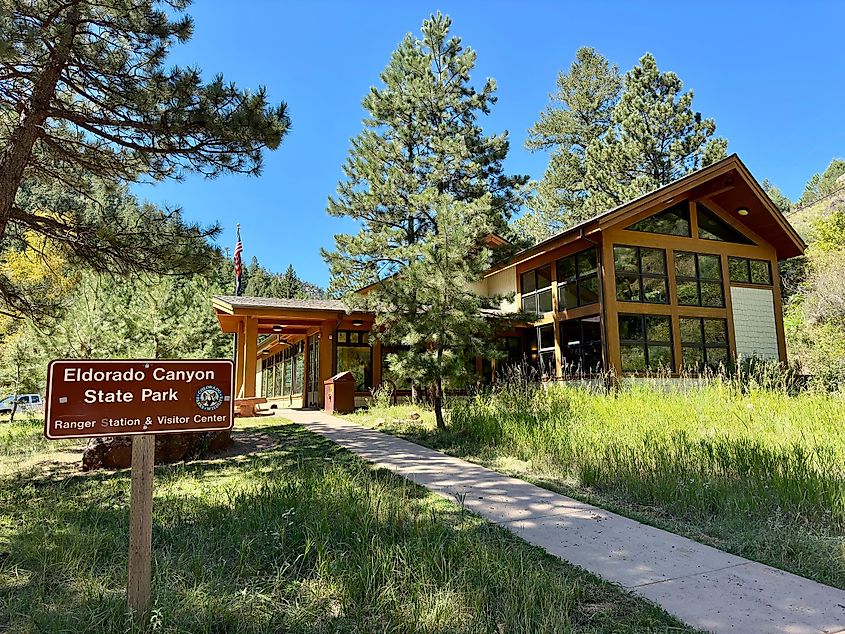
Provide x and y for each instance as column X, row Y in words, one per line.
column 755, row 472
column 303, row 537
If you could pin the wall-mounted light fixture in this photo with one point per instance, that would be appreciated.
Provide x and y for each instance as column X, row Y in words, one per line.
column 278, row 328
column 742, row 211
column 357, row 323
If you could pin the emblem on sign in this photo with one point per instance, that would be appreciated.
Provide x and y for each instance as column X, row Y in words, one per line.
column 209, row 398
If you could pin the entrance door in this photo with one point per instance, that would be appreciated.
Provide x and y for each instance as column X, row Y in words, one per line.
column 312, row 397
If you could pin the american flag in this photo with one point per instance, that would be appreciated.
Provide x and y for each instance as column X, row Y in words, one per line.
column 239, row 247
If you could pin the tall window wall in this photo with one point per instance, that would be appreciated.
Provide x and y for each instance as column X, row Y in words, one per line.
column 282, row 374
column 689, row 281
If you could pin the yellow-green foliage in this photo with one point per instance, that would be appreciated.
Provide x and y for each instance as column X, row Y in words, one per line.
column 815, row 316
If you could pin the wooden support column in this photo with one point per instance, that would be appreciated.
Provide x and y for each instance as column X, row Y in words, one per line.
column 239, row 360
column 377, row 369
column 613, row 360
column 250, row 352
column 777, row 300
column 327, row 333
column 556, row 323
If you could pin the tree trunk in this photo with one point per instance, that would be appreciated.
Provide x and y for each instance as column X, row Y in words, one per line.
column 438, row 404
column 17, row 153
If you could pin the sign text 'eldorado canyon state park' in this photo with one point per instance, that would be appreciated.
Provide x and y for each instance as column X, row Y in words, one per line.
column 89, row 398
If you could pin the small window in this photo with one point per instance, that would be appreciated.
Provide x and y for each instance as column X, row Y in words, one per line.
column 355, row 355
column 646, row 343
column 673, row 221
column 546, row 349
column 698, row 279
column 748, row 271
column 578, row 280
column 704, row 343
column 536, row 290
column 641, row 275
column 580, row 346
column 711, row 227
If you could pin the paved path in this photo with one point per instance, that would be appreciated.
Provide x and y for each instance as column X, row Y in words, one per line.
column 702, row 586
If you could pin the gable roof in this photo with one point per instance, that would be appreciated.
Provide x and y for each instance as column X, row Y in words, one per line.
column 728, row 182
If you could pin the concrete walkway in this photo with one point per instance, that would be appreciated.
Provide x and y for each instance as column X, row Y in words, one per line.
column 704, row 587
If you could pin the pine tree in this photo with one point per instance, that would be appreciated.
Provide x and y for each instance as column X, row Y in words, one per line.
column 776, row 195
column 820, row 185
column 580, row 113
column 655, row 138
column 85, row 100
column 107, row 231
column 422, row 154
column 610, row 146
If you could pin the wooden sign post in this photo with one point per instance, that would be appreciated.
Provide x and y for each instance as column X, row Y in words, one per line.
column 141, row 398
column 141, row 523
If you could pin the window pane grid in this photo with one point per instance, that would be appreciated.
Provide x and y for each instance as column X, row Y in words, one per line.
column 536, row 290
column 580, row 342
column 577, row 276
column 704, row 342
column 698, row 279
column 641, row 274
column 750, row 271
column 646, row 342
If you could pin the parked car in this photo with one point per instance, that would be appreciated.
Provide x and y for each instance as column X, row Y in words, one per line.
column 27, row 403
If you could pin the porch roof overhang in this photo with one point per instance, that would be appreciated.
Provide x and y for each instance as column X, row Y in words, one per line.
column 296, row 316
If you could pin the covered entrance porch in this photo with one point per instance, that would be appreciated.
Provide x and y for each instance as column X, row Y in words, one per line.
column 286, row 348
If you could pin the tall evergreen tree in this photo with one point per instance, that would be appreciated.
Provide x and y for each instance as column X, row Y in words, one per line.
column 820, row 185
column 777, row 196
column 580, row 113
column 637, row 140
column 421, row 163
column 85, row 99
column 655, row 138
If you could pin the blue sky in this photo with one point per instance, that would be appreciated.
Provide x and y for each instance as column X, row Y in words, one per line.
column 770, row 73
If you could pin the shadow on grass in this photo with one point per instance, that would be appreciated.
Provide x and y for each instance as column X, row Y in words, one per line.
column 302, row 538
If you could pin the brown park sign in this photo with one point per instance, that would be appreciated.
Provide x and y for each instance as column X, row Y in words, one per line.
column 88, row 398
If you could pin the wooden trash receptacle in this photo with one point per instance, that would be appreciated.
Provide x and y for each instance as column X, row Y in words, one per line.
column 340, row 393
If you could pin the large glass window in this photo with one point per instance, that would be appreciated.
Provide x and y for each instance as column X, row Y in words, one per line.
column 641, row 274
column 711, row 227
column 646, row 342
column 279, row 370
column 578, row 280
column 704, row 343
column 536, row 290
column 673, row 221
column 698, row 279
column 355, row 355
column 580, row 345
column 748, row 271
column 288, row 376
column 541, row 344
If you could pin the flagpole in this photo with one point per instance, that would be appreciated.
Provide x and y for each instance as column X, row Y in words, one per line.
column 236, row 261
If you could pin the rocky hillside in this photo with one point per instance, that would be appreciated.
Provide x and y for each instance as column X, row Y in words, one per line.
column 803, row 216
